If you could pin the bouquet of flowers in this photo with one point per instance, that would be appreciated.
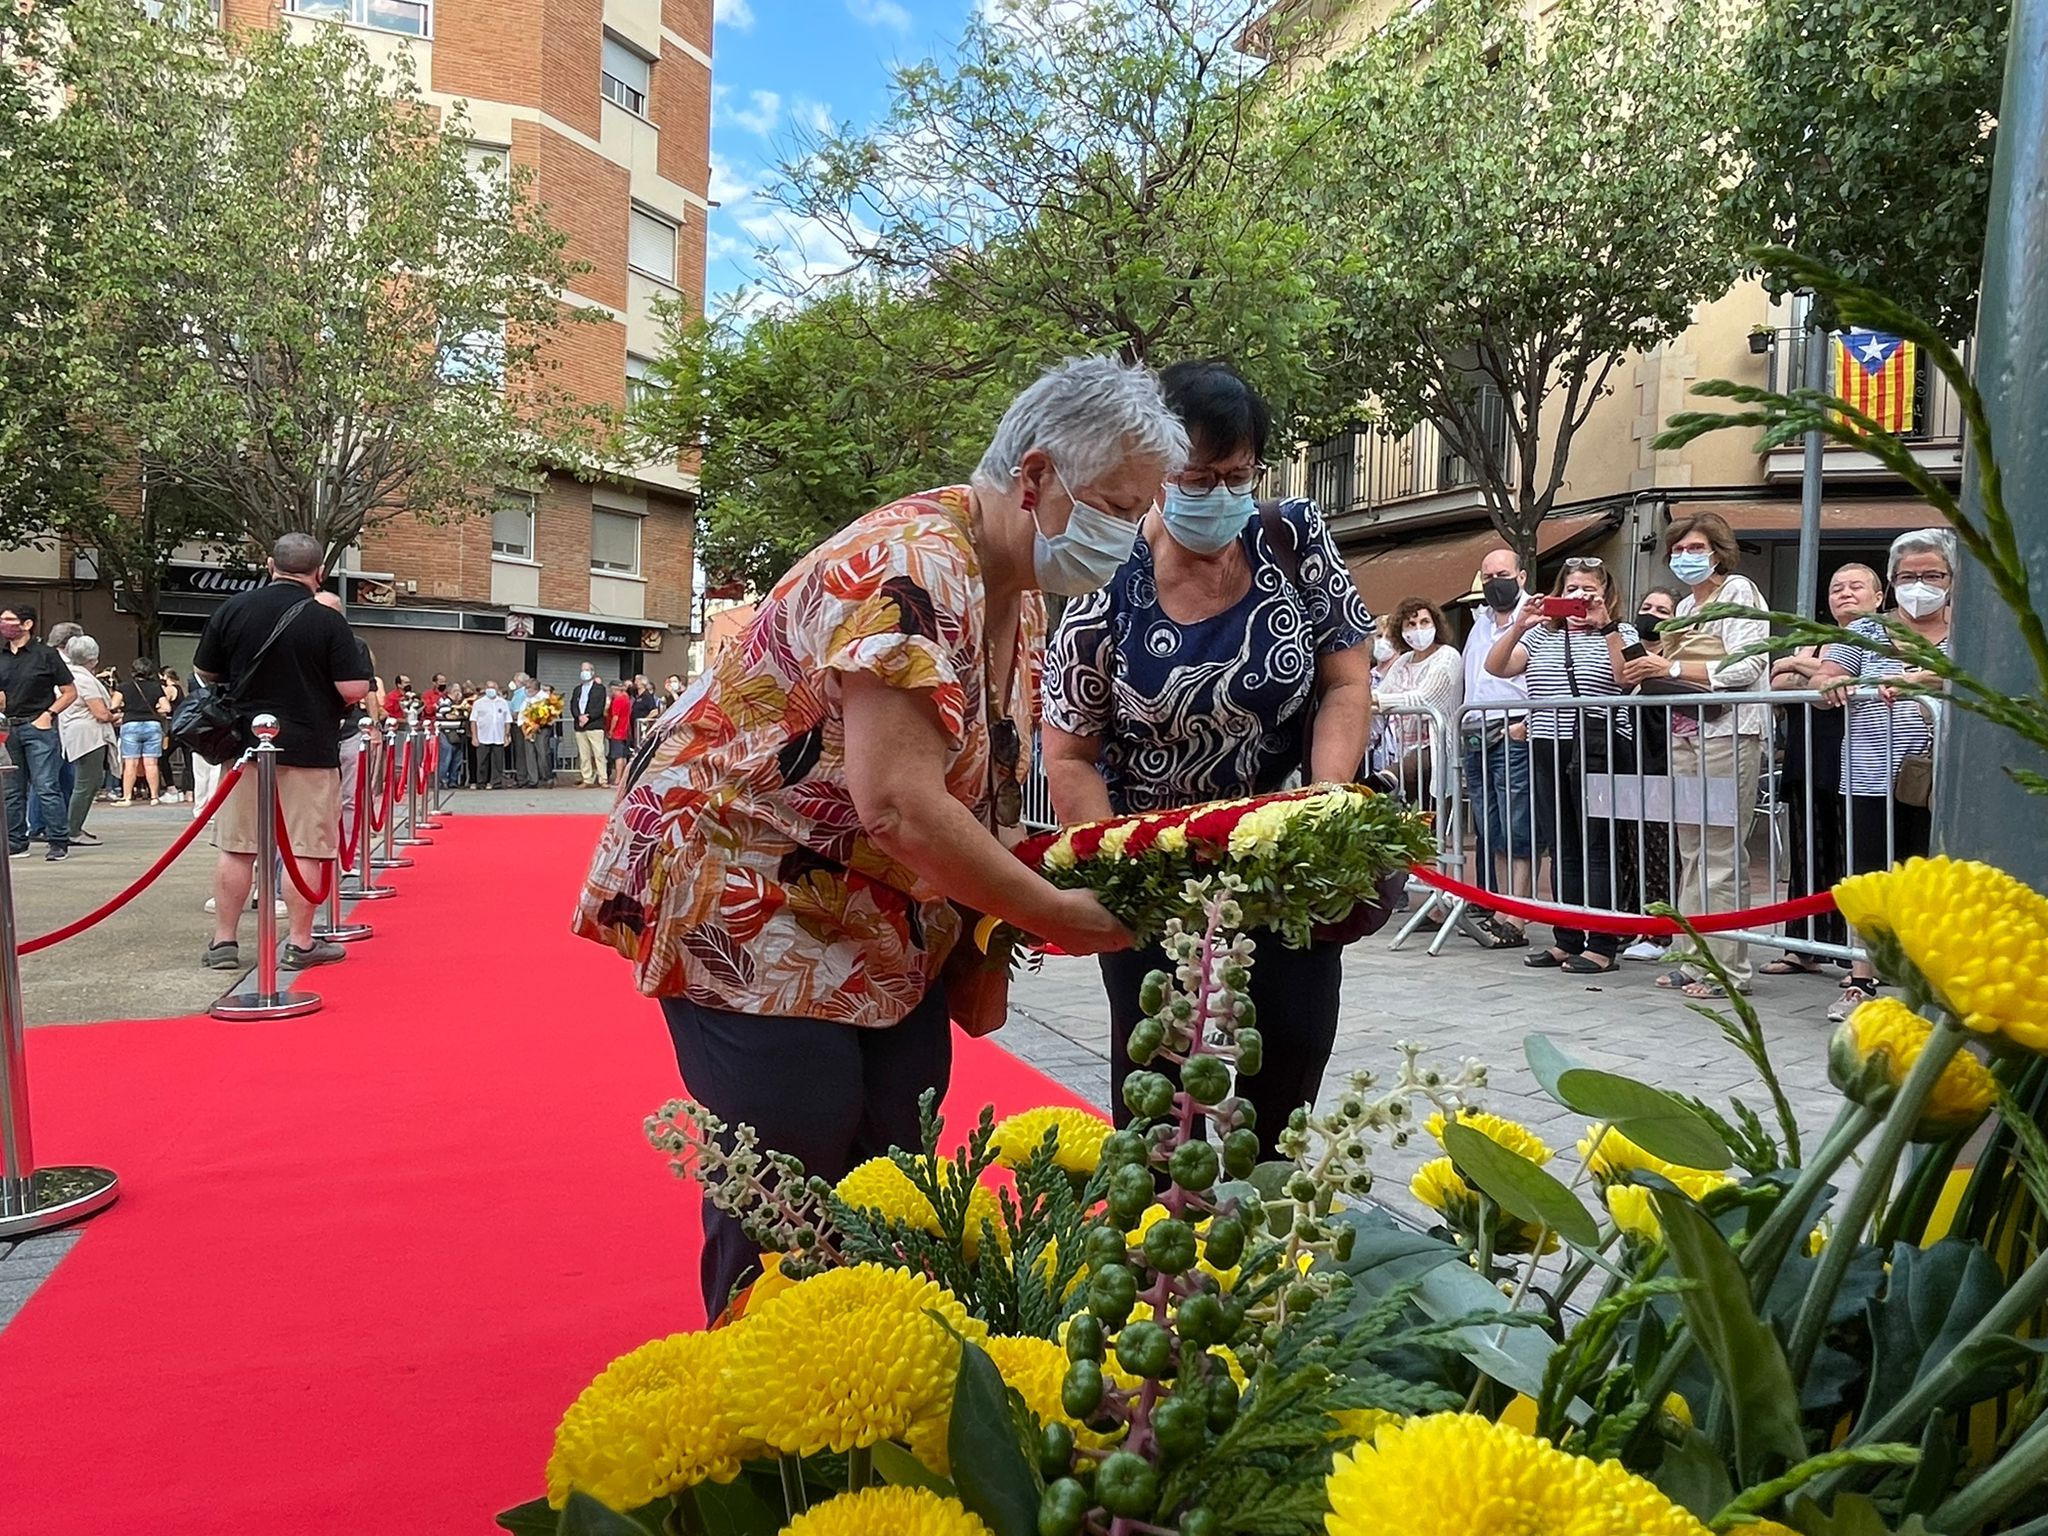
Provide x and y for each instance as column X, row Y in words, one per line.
column 1301, row 859
column 541, row 711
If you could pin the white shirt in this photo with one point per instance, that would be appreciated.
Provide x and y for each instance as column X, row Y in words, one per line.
column 1481, row 686
column 1748, row 675
column 490, row 717
column 1436, row 681
column 77, row 731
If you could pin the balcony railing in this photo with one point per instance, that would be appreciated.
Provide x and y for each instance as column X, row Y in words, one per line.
column 1365, row 469
column 1937, row 413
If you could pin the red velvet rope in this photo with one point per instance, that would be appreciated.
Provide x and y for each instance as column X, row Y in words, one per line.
column 351, row 837
column 291, row 863
column 179, row 844
column 428, row 759
column 1626, row 922
column 389, row 795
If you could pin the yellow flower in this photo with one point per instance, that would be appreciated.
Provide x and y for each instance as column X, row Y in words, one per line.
column 1172, row 840
column 648, row 1426
column 1061, row 854
column 1037, row 1368
column 888, row 1511
column 1875, row 1048
column 1078, row 1147
column 1513, row 1135
column 1112, row 844
column 850, row 1357
column 1464, row 1474
column 1363, row 1423
column 1259, row 830
column 1979, row 936
column 1439, row 1185
column 1633, row 1213
column 1617, row 1159
column 880, row 1187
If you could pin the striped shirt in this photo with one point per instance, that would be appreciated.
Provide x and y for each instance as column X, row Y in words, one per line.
column 1880, row 735
column 1549, row 677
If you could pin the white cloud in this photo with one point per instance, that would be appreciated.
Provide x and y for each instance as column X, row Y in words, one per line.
column 880, row 13
column 815, row 116
column 730, row 185
column 736, row 14
column 761, row 114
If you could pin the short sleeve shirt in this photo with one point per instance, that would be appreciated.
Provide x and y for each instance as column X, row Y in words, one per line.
column 295, row 679
column 1549, row 678
column 1880, row 735
column 734, row 870
column 32, row 677
column 1209, row 710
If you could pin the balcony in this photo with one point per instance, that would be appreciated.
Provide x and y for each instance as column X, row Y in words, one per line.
column 1365, row 475
column 1935, row 438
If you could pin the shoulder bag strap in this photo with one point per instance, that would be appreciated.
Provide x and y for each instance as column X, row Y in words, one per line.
column 284, row 622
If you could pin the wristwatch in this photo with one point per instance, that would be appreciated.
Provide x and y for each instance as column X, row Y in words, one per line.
column 1611, row 627
column 1677, row 669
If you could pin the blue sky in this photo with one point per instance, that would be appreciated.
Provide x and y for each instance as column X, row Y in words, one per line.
column 779, row 64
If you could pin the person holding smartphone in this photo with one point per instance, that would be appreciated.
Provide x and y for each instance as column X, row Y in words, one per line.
column 1562, row 646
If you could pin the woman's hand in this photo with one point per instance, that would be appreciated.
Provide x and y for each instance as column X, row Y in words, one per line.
column 1640, row 669
column 1530, row 616
column 1596, row 613
column 1081, row 925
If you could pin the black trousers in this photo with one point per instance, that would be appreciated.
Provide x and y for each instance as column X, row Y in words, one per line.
column 1809, row 790
column 1295, row 993
column 1581, row 863
column 1911, row 832
column 490, row 764
column 828, row 1094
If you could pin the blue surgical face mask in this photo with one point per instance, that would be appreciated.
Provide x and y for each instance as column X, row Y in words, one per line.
column 1692, row 567
column 1206, row 524
column 1083, row 556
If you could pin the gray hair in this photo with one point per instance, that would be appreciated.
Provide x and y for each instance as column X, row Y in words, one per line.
column 297, row 554
column 82, row 649
column 1921, row 541
column 1090, row 414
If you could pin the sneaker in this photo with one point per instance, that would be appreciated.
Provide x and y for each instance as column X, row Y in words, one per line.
column 222, row 957
column 57, row 851
column 320, row 952
column 85, row 840
column 1644, row 949
column 20, row 853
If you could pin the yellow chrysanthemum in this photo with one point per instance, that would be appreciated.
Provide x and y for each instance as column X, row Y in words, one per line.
column 1616, row 1159
column 1512, row 1134
column 879, row 1186
column 1112, row 844
column 1363, row 1423
column 1037, row 1368
column 1459, row 1472
column 1633, row 1212
column 847, row 1358
column 1061, row 854
column 1078, row 1148
column 888, row 1511
column 1875, row 1048
column 1979, row 936
column 1439, row 1185
column 648, row 1426
column 1172, row 840
column 1258, row 831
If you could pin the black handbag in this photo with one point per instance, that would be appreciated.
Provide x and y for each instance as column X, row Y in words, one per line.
column 210, row 723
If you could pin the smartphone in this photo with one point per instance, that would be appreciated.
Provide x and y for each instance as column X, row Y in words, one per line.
column 1565, row 607
column 1634, row 652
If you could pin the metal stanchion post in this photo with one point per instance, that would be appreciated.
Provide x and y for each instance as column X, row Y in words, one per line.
column 416, row 760
column 431, row 737
column 329, row 924
column 389, row 858
column 367, row 888
column 32, row 1199
column 266, row 1002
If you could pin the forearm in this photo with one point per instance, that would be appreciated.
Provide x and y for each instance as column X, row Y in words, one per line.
column 1079, row 792
column 1343, row 727
column 939, row 839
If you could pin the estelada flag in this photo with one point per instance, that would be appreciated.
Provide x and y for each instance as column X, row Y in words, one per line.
column 1874, row 373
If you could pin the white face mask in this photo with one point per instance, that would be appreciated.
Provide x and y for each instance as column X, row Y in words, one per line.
column 1087, row 553
column 1420, row 636
column 1920, row 598
column 587, row 676
column 1382, row 650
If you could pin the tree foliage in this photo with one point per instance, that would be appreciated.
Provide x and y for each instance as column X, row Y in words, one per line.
column 1866, row 135
column 309, row 313
column 1508, row 206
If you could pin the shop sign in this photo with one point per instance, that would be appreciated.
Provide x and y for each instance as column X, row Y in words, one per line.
column 552, row 630
column 211, row 580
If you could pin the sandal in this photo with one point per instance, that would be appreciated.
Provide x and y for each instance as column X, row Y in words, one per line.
column 1856, row 991
column 1586, row 965
column 1704, row 991
column 1674, row 981
column 1792, row 965
column 1547, row 960
column 1490, row 932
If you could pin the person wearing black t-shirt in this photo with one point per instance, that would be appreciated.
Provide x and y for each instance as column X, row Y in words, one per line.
column 312, row 671
column 36, row 684
column 144, row 707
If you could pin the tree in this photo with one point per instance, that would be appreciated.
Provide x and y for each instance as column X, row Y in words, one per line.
column 309, row 312
column 1509, row 206
column 1866, row 133
column 810, row 416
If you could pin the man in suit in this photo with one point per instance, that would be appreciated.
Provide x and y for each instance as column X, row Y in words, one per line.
column 587, row 702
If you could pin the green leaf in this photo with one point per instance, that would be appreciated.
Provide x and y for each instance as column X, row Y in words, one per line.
column 1692, row 1474
column 1519, row 1185
column 750, row 1505
column 1549, row 1063
column 989, row 1467
column 1387, row 1250
column 584, row 1516
column 1513, row 1352
column 1739, row 1345
column 1934, row 1297
column 1658, row 1122
column 536, row 1517
column 896, row 1465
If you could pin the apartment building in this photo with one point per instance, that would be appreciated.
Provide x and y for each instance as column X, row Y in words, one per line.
column 1411, row 518
column 608, row 103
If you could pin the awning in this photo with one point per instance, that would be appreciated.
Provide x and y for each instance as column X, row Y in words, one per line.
column 1440, row 567
column 1880, row 515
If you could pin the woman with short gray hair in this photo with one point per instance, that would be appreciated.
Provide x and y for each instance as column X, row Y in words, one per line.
column 86, row 732
column 799, row 848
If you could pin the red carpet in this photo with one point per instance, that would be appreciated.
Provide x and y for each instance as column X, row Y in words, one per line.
column 362, row 1260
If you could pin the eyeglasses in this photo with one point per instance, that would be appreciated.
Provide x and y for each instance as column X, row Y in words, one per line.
column 1936, row 578
column 1205, row 482
column 1006, row 751
column 1582, row 563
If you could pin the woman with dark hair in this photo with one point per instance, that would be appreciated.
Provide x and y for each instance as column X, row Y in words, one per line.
column 1192, row 676
column 1429, row 673
column 1578, row 655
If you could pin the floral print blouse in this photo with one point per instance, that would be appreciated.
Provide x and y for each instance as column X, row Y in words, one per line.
column 733, row 870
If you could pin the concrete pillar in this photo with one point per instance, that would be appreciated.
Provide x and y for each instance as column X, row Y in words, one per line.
column 1982, row 814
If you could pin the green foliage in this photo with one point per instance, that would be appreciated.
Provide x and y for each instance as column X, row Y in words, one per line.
column 984, row 1443
column 1507, row 206
column 1866, row 131
column 304, row 303
column 1522, row 1188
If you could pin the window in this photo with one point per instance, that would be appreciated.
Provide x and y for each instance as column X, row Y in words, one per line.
column 651, row 245
column 625, row 77
column 478, row 354
column 614, row 542
column 406, row 16
column 489, row 165
column 512, row 524
column 641, row 385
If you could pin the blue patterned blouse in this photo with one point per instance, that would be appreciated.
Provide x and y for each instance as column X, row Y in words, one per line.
column 1203, row 711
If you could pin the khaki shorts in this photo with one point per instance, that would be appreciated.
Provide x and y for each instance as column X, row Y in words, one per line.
column 310, row 799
